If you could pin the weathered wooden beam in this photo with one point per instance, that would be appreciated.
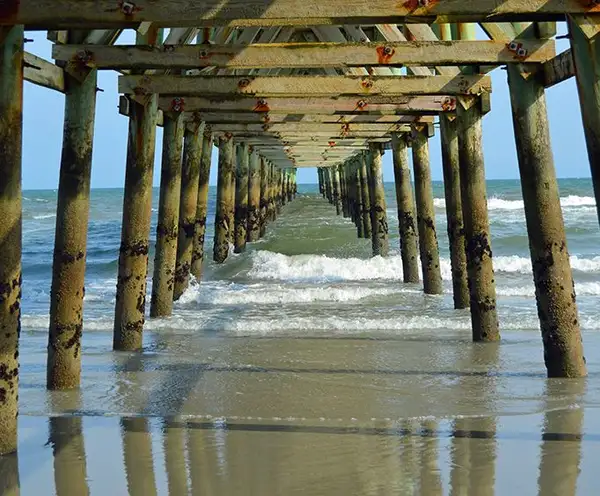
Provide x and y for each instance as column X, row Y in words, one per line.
column 302, row 127
column 366, row 104
column 559, row 69
column 43, row 73
column 295, row 86
column 214, row 117
column 303, row 55
column 61, row 14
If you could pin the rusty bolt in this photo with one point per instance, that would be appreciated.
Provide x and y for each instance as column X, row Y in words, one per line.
column 178, row 104
column 243, row 83
column 361, row 104
column 513, row 46
column 128, row 8
column 169, row 48
column 83, row 56
column 522, row 52
column 367, row 84
column 203, row 54
column 388, row 50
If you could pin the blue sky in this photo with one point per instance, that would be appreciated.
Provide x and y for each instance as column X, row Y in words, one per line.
column 44, row 110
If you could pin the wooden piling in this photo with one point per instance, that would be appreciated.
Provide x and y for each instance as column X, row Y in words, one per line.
column 359, row 204
column 202, row 205
column 407, row 225
column 11, row 129
column 554, row 286
column 137, row 209
column 480, row 270
column 254, row 197
column 70, row 241
column 336, row 193
column 165, row 258
column 224, row 211
column 428, row 244
column 241, row 198
column 291, row 190
column 328, row 184
column 454, row 214
column 231, row 200
column 321, row 182
column 379, row 230
column 264, row 196
column 284, row 186
column 586, row 58
column 343, row 191
column 277, row 189
column 190, row 180
column 365, row 193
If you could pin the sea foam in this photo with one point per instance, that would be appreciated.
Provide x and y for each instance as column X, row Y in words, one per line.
column 267, row 265
column 495, row 203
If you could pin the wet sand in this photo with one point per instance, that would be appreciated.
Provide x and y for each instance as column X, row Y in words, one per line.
column 224, row 414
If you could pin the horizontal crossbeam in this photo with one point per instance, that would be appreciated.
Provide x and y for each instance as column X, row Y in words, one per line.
column 265, row 118
column 303, row 55
column 374, row 105
column 86, row 14
column 295, row 86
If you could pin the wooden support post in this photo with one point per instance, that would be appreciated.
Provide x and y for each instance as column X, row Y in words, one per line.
column 379, row 232
column 428, row 244
column 137, row 210
column 264, row 196
column 291, row 185
column 272, row 193
column 336, row 192
column 241, row 199
column 70, row 242
column 350, row 172
column 365, row 195
column 454, row 214
column 284, row 186
column 321, row 182
column 586, row 58
column 277, row 189
column 11, row 129
column 254, row 197
column 165, row 258
column 224, row 211
column 190, row 180
column 328, row 184
column 202, row 205
column 480, row 269
column 554, row 287
column 359, row 204
column 231, row 218
column 343, row 190
column 407, row 223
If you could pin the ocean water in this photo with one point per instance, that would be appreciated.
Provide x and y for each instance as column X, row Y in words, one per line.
column 312, row 274
column 304, row 366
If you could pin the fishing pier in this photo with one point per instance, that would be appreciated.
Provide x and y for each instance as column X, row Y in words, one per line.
column 278, row 85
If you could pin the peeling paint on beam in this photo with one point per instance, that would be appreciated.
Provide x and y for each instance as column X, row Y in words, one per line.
column 80, row 14
column 267, row 119
column 296, row 86
column 304, row 55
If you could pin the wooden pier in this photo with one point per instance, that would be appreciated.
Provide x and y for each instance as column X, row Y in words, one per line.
column 277, row 85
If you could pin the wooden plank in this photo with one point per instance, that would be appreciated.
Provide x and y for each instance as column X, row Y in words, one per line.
column 43, row 73
column 371, row 105
column 295, row 86
column 559, row 69
column 62, row 14
column 304, row 55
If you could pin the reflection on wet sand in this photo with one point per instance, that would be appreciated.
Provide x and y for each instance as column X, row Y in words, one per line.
column 312, row 418
column 561, row 441
column 270, row 459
